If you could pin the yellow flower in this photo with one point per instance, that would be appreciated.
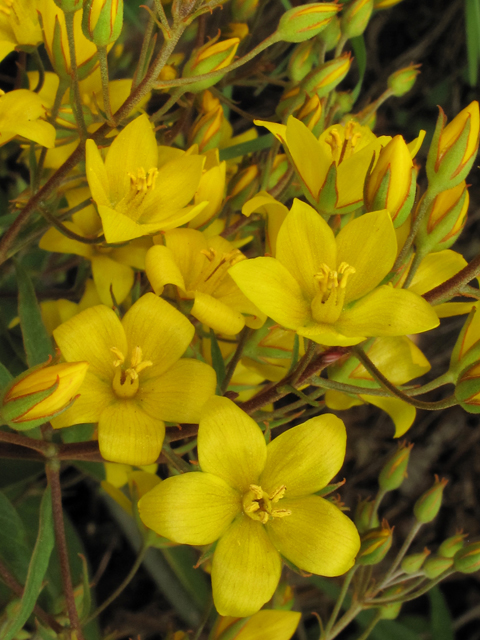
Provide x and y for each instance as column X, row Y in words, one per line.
column 328, row 289
column 133, row 195
column 198, row 266
column 19, row 26
column 258, row 502
column 400, row 360
column 20, row 113
column 111, row 266
column 136, row 380
column 268, row 624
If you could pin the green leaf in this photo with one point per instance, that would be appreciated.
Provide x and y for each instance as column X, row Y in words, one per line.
column 440, row 618
column 37, row 568
column 37, row 342
column 14, row 548
column 5, row 377
column 237, row 150
column 181, row 560
column 472, row 28
column 360, row 52
column 217, row 361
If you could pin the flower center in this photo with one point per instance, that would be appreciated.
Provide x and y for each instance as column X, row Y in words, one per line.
column 327, row 305
column 141, row 184
column 215, row 268
column 260, row 506
column 125, row 381
column 6, row 6
column 144, row 180
column 343, row 149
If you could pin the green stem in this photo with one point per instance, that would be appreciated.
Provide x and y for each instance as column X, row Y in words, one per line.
column 400, row 555
column 173, row 99
column 417, row 259
column 419, row 215
column 125, row 582
column 54, row 221
column 75, row 87
column 445, row 378
column 162, row 15
column 140, row 68
column 345, row 620
column 420, row 592
column 371, row 626
column 204, row 620
column 41, row 70
column 103, row 60
column 48, row 449
column 339, row 602
column 380, row 495
column 235, row 359
column 176, row 461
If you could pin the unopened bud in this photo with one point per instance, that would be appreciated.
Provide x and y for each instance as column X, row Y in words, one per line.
column 355, row 18
column 384, row 4
column 243, row 10
column 291, row 100
column 311, row 112
column 102, row 21
column 375, row 544
column 467, row 560
column 403, row 80
column 301, row 61
column 394, row 471
column 322, row 80
column 211, row 57
column 206, row 131
column 466, row 351
column 344, row 101
column 304, row 22
column 451, row 546
column 414, row 562
column 391, row 611
column 41, row 393
column 363, row 516
column 69, row 6
column 243, row 186
column 331, row 35
column 435, row 565
column 283, row 598
column 429, row 503
column 467, row 389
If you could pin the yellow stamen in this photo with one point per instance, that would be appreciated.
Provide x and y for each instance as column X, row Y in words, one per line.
column 343, row 149
column 215, row 268
column 258, row 505
column 328, row 303
column 125, row 382
column 143, row 181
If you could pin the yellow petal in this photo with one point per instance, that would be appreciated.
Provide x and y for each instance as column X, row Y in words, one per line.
column 351, row 175
column 89, row 336
column 340, row 401
column 162, row 332
column 397, row 357
column 305, row 458
column 96, row 394
column 162, row 269
column 127, row 434
column 246, row 569
column 402, row 413
column 178, row 394
column 117, row 474
column 56, row 242
column 186, row 246
column 272, row 288
column 450, row 309
column 108, row 273
column 369, row 245
column 96, row 174
column 193, row 508
column 327, row 335
column 270, row 624
column 317, row 537
column 388, row 312
column 230, row 444
column 217, row 315
column 435, row 268
column 304, row 243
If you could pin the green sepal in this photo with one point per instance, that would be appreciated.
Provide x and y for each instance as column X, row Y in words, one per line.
column 12, row 410
column 330, row 488
column 233, row 630
column 428, row 241
column 328, row 195
column 457, row 364
column 103, row 33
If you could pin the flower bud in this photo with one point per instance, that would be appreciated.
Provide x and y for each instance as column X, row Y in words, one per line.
column 394, row 471
column 384, row 4
column 392, row 183
column 444, row 219
column 283, row 598
column 311, row 112
column 102, row 21
column 467, row 347
column 243, row 186
column 453, row 149
column 322, row 80
column 355, row 18
column 391, row 611
column 375, row 544
column 304, row 22
column 414, row 562
column 243, row 10
column 467, row 560
column 41, row 393
column 344, row 101
column 435, row 566
column 206, row 131
column 363, row 515
column 331, row 35
column 403, row 80
column 467, row 389
column 211, row 57
column 301, row 61
column 69, row 6
column 429, row 503
column 451, row 546
column 267, row 624
column 291, row 100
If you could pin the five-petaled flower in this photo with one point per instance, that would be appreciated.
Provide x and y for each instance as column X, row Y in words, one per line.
column 259, row 502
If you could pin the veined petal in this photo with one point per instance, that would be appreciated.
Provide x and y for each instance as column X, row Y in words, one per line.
column 304, row 243
column 178, row 394
column 388, row 312
column 339, row 401
column 118, row 227
column 351, row 174
column 310, row 162
column 272, row 288
column 127, row 434
column 108, row 273
column 39, row 131
column 186, row 246
column 402, row 413
column 217, row 315
column 435, row 268
column 162, row 332
column 368, row 244
column 162, row 269
column 305, row 458
column 317, row 537
column 192, row 508
column 56, row 242
column 95, row 395
column 450, row 309
column 328, row 336
column 246, row 569
column 163, row 219
column 89, row 336
column 96, row 174
column 268, row 624
column 177, row 182
column 230, row 444
column 278, row 130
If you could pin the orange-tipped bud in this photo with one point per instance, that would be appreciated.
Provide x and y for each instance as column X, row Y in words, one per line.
column 467, row 560
column 451, row 546
column 243, row 186
column 466, row 351
column 206, row 131
column 301, row 61
column 414, row 562
column 304, row 22
column 355, row 18
column 311, row 112
column 467, row 389
column 429, row 503
column 394, row 471
column 322, row 80
column 243, row 10
column 375, row 544
column 385, row 4
column 403, row 80
column 363, row 516
column 331, row 35
column 444, row 220
column 102, row 21
column 435, row 565
column 391, row 611
column 213, row 56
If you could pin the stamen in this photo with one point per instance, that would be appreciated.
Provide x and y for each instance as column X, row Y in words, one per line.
column 258, row 505
column 120, row 357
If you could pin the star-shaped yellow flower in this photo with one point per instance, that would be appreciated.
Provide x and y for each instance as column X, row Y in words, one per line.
column 258, row 501
column 328, row 288
column 136, row 378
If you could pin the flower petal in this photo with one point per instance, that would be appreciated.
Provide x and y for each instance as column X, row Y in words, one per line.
column 305, row 458
column 95, row 395
column 326, row 334
column 127, row 434
column 192, row 508
column 368, row 244
column 108, row 273
column 317, row 537
column 435, row 268
column 217, row 315
column 402, row 413
column 388, row 312
column 272, row 288
column 162, row 332
column 304, row 243
column 307, row 155
column 96, row 174
column 186, row 246
column 178, row 395
column 162, row 269
column 230, row 444
column 246, row 569
column 56, row 242
column 269, row 624
column 89, row 336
